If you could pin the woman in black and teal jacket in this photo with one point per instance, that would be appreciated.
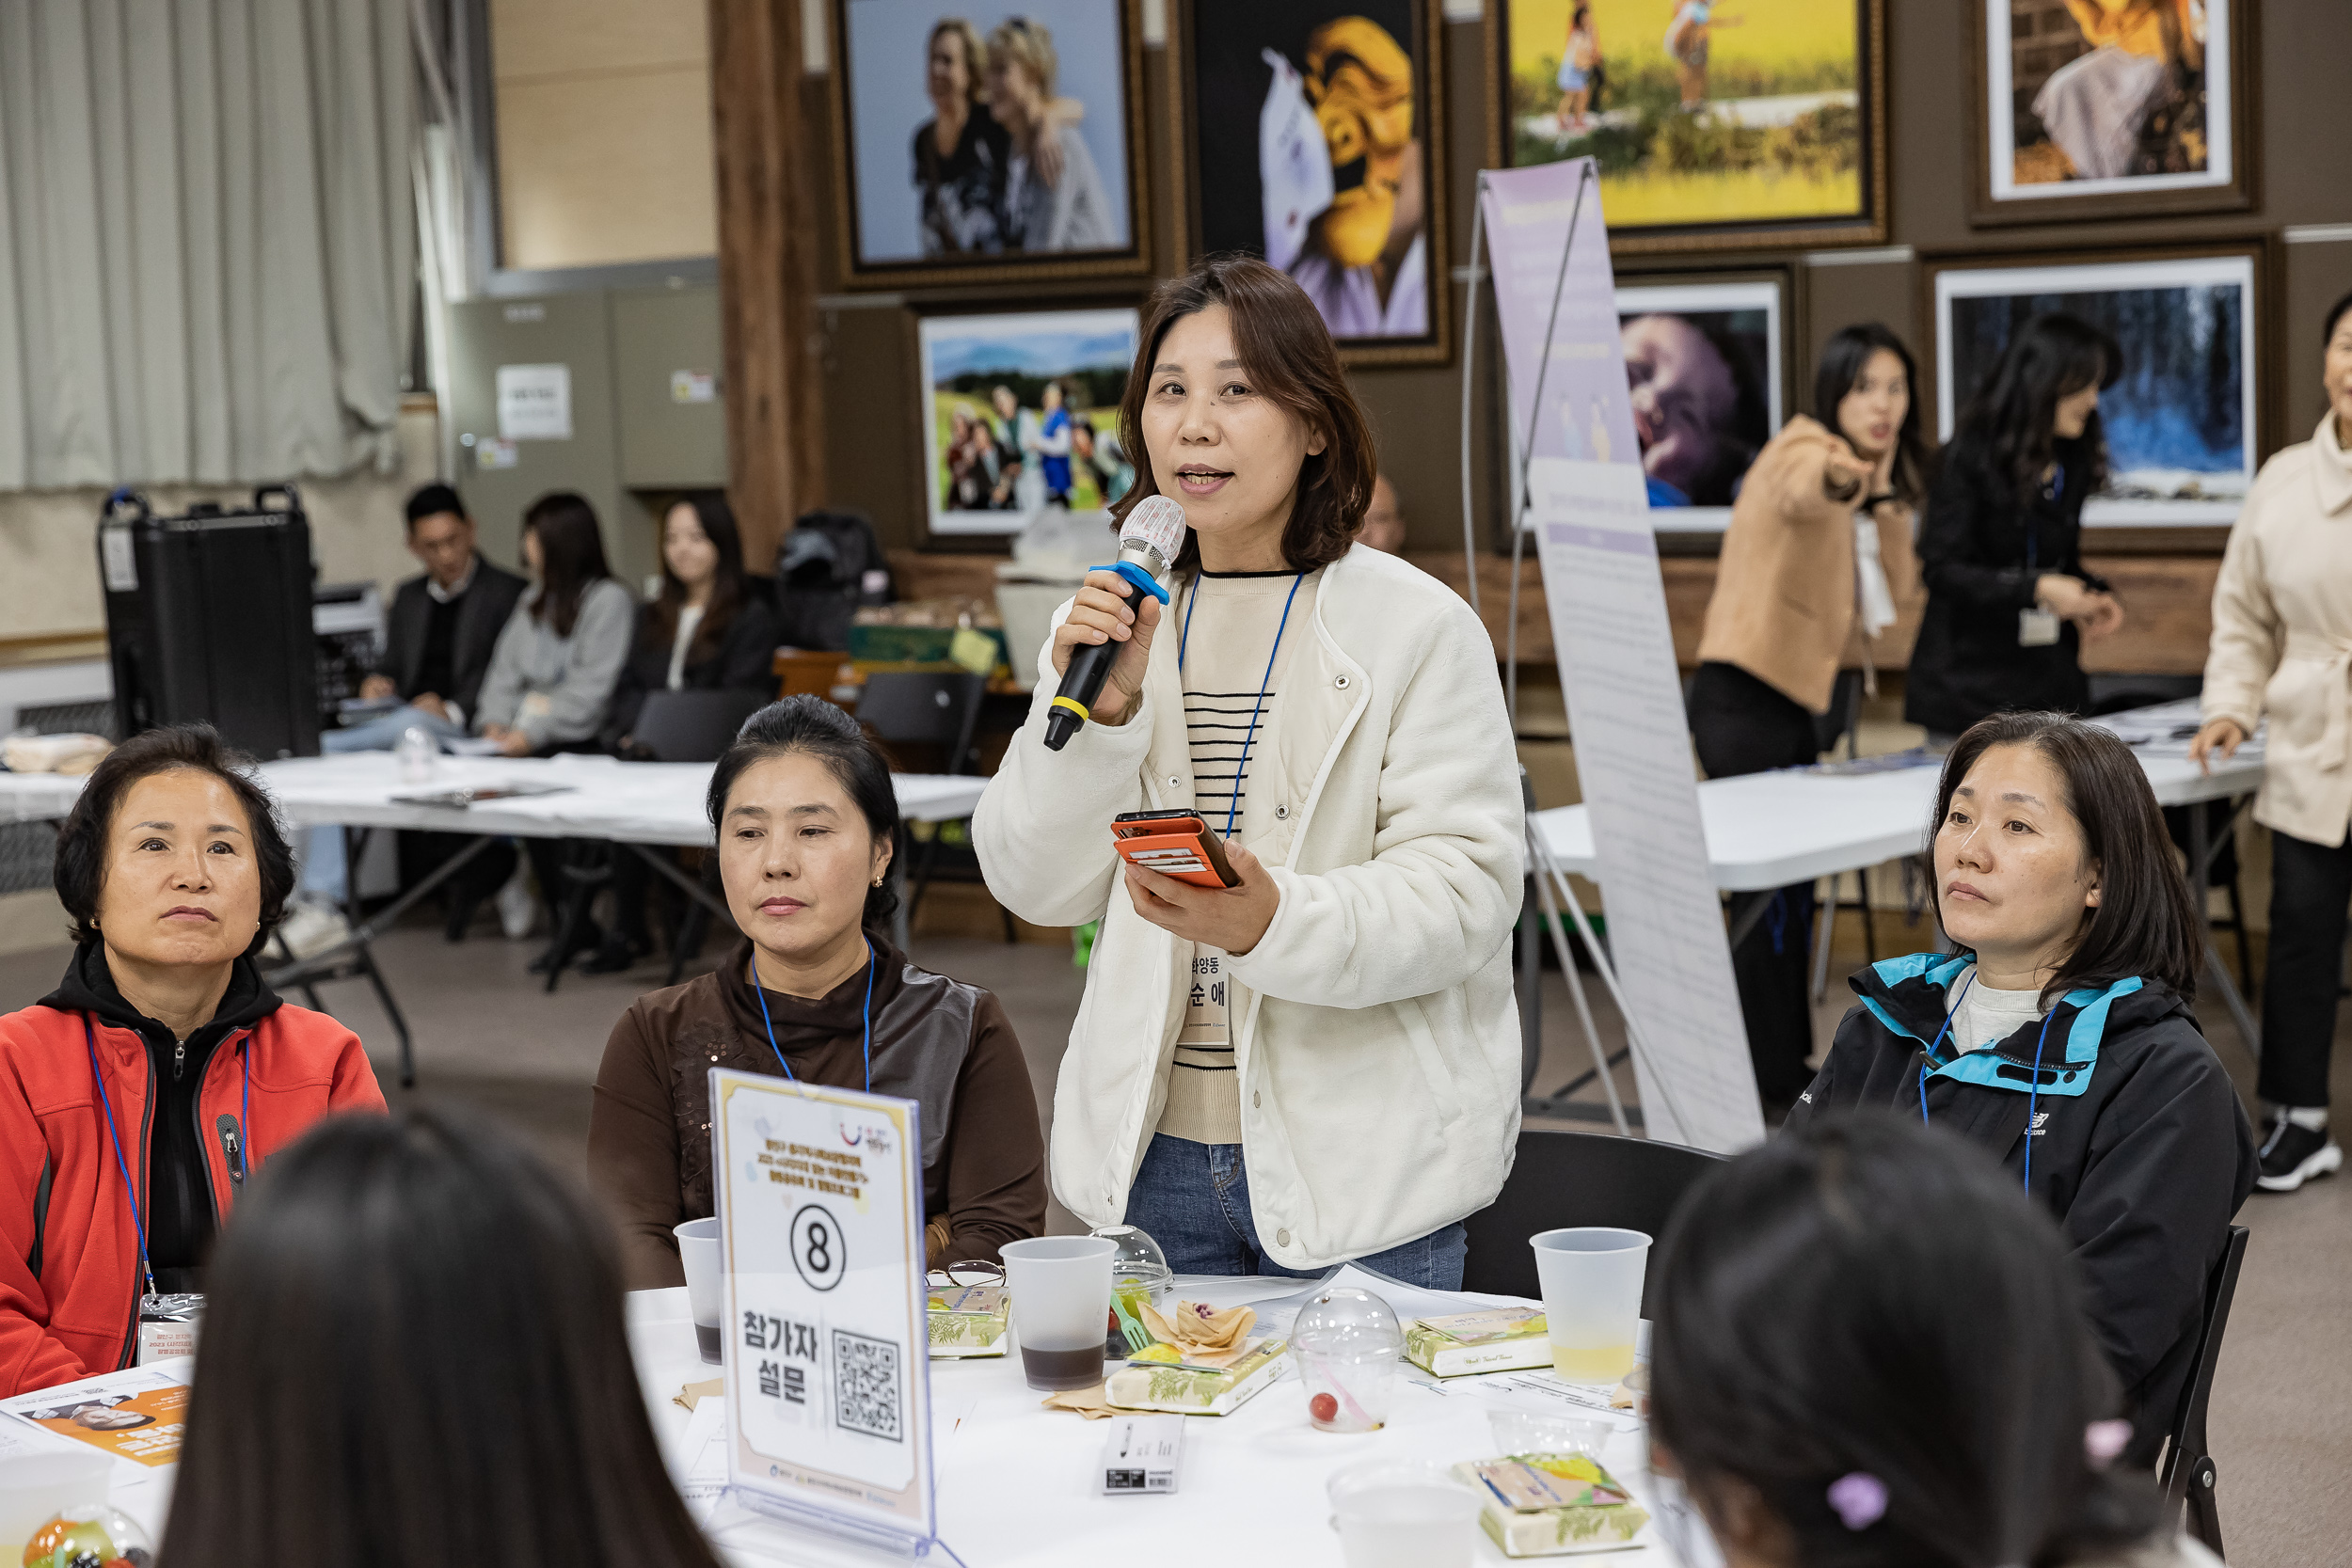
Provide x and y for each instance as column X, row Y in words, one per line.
column 2059, row 1036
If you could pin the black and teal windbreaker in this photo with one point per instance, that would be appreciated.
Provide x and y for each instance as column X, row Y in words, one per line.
column 2139, row 1144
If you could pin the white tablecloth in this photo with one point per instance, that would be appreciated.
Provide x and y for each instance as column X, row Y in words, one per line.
column 1770, row 829
column 640, row 802
column 1020, row 1486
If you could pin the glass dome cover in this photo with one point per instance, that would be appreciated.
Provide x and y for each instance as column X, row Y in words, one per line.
column 1345, row 1324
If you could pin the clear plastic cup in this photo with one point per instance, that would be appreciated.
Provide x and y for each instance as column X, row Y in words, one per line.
column 1062, row 1297
column 705, row 1284
column 1403, row 1514
column 1592, row 1283
column 1519, row 1432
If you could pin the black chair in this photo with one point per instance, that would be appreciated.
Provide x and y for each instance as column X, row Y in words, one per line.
column 941, row 711
column 1563, row 1178
column 692, row 726
column 2189, row 1473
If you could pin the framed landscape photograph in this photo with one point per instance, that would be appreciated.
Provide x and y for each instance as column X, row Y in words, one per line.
column 1715, row 127
column 2089, row 110
column 1312, row 132
column 1020, row 412
column 2184, row 418
column 998, row 144
column 1708, row 370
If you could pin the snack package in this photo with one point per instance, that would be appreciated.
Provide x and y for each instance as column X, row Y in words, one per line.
column 1184, row 1383
column 1500, row 1339
column 969, row 1321
column 1553, row 1504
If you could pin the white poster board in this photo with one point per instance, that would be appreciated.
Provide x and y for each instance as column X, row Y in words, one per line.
column 534, row 402
column 1589, row 513
column 821, row 1216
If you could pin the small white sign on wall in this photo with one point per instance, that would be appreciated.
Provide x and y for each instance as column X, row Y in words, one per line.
column 534, row 402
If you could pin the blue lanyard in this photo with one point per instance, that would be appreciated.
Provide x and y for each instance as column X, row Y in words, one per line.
column 1183, row 640
column 131, row 1192
column 761, row 991
column 2033, row 1093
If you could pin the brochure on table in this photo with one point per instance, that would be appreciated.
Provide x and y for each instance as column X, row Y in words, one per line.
column 820, row 1211
column 1589, row 509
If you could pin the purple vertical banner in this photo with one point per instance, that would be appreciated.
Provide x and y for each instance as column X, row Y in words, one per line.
column 1587, row 505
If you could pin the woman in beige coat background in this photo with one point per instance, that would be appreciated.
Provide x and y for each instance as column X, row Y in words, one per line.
column 1815, row 563
column 2283, row 649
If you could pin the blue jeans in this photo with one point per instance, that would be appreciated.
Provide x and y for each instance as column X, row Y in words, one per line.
column 324, row 873
column 1194, row 1200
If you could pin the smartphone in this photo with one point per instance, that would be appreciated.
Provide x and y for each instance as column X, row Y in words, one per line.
column 1175, row 844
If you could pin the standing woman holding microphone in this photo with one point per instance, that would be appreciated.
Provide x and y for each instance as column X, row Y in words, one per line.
column 2009, row 600
column 1320, row 1062
column 2282, row 645
column 1816, row 560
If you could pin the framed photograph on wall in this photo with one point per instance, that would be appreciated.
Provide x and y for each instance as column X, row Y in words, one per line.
column 1716, row 127
column 1020, row 411
column 2184, row 419
column 2090, row 110
column 1312, row 132
column 1706, row 360
column 997, row 145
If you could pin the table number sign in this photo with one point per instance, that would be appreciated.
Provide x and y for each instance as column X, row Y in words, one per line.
column 820, row 1219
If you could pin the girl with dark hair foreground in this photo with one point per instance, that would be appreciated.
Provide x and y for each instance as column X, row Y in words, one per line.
column 1870, row 1352
column 413, row 1355
column 2058, row 1035
column 137, row 1098
column 807, row 823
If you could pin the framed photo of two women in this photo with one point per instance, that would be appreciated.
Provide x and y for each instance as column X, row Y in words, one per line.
column 993, row 142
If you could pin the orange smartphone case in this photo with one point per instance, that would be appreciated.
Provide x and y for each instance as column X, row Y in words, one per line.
column 1181, row 846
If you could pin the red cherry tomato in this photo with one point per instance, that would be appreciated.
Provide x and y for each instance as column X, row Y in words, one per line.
column 1323, row 1408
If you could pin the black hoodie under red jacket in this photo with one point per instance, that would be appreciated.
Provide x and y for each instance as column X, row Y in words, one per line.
column 2138, row 1145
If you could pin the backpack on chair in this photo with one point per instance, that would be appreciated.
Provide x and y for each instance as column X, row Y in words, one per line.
column 829, row 567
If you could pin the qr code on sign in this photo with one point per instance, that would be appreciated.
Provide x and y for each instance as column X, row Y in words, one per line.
column 865, row 1386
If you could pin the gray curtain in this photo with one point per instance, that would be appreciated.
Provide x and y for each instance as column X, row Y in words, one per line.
column 207, row 238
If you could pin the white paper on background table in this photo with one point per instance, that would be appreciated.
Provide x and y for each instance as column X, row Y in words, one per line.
column 534, row 402
column 821, row 1211
column 1590, row 510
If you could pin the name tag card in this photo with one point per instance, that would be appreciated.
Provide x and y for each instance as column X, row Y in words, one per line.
column 821, row 1222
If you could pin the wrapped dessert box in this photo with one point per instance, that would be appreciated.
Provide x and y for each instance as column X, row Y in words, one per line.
column 1500, row 1339
column 1553, row 1504
column 969, row 1320
column 1164, row 1377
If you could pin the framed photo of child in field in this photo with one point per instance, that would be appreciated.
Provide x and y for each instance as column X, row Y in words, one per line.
column 1716, row 125
column 2109, row 109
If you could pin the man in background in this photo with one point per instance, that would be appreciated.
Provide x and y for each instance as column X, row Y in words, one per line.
column 437, row 650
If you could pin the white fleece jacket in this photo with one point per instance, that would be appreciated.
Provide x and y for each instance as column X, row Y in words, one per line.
column 1374, row 1031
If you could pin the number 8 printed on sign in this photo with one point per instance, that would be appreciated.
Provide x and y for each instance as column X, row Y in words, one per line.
column 817, row 1250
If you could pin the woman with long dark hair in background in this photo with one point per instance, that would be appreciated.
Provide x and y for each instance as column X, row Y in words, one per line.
column 709, row 630
column 806, row 820
column 414, row 1355
column 1870, row 1352
column 1815, row 566
column 2009, row 599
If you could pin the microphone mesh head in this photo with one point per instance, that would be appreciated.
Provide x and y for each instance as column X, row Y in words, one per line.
column 1156, row 522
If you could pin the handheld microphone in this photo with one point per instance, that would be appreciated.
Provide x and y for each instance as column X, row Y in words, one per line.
column 1147, row 543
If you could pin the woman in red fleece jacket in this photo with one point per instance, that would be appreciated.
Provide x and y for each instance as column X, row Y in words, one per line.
column 137, row 1097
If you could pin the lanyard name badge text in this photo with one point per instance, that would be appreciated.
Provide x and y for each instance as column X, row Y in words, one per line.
column 827, row 1336
column 2038, row 627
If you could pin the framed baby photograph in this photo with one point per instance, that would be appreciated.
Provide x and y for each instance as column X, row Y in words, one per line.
column 1312, row 132
column 1715, row 126
column 1020, row 412
column 2182, row 419
column 1707, row 362
column 997, row 145
column 2090, row 109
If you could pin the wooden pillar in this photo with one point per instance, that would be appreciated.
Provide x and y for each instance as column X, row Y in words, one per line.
column 767, row 268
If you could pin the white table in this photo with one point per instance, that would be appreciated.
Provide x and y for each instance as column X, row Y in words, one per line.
column 632, row 803
column 1769, row 830
column 1019, row 1485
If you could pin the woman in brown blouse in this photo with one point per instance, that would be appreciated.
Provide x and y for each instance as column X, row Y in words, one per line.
column 806, row 818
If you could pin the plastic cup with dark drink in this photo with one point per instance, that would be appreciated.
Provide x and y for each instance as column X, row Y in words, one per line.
column 705, row 1284
column 1061, row 1295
